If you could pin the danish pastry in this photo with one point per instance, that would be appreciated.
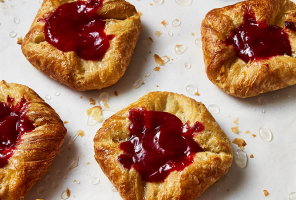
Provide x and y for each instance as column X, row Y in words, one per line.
column 31, row 134
column 249, row 47
column 84, row 44
column 163, row 146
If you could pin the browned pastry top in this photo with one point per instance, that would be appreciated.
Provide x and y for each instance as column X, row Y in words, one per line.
column 232, row 74
column 122, row 21
column 36, row 149
column 187, row 184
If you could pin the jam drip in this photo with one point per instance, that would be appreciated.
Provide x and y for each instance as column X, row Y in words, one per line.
column 13, row 124
column 159, row 143
column 255, row 40
column 76, row 27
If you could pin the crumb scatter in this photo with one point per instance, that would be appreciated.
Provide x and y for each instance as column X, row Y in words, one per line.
column 251, row 156
column 156, row 69
column 236, row 121
column 96, row 112
column 157, row 33
column 158, row 59
column 235, row 129
column 266, row 193
column 164, row 23
column 239, row 142
column 19, row 40
column 80, row 133
column 92, row 101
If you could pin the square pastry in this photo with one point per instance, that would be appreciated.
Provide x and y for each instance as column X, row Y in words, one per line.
column 163, row 146
column 31, row 134
column 249, row 47
column 86, row 45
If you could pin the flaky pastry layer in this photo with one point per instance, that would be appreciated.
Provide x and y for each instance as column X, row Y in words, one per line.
column 122, row 21
column 232, row 74
column 187, row 184
column 36, row 149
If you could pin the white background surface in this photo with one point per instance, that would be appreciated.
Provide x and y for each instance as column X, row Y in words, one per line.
column 273, row 165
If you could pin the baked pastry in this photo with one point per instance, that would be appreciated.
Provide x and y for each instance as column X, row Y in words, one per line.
column 249, row 47
column 163, row 146
column 86, row 45
column 31, row 134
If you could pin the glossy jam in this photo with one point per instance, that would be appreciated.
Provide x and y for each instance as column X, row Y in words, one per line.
column 76, row 27
column 13, row 124
column 255, row 40
column 159, row 143
column 290, row 25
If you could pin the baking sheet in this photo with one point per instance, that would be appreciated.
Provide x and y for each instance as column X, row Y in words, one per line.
column 273, row 165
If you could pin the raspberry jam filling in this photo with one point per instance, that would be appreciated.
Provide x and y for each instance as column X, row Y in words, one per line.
column 159, row 143
column 77, row 27
column 255, row 40
column 13, row 124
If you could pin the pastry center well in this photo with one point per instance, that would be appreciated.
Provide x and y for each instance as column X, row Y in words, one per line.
column 77, row 27
column 159, row 143
column 255, row 40
column 13, row 123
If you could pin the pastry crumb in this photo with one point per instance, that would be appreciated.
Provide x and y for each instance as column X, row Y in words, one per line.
column 105, row 103
column 2, row 1
column 239, row 142
column 19, row 40
column 235, row 129
column 151, row 4
column 251, row 156
column 254, row 135
column 96, row 112
column 266, row 193
column 157, row 85
column 88, row 163
column 247, row 132
column 65, row 122
column 164, row 23
column 196, row 93
column 192, row 34
column 140, row 13
column 92, row 101
column 68, row 192
column 157, row 33
column 116, row 93
column 81, row 97
column 158, row 59
column 80, row 133
column 236, row 121
column 74, row 180
column 156, row 69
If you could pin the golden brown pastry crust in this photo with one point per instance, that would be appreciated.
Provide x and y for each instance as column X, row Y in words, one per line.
column 187, row 184
column 36, row 149
column 68, row 68
column 232, row 74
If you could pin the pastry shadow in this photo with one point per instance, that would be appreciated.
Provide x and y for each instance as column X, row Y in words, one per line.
column 54, row 180
column 273, row 98
column 138, row 64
